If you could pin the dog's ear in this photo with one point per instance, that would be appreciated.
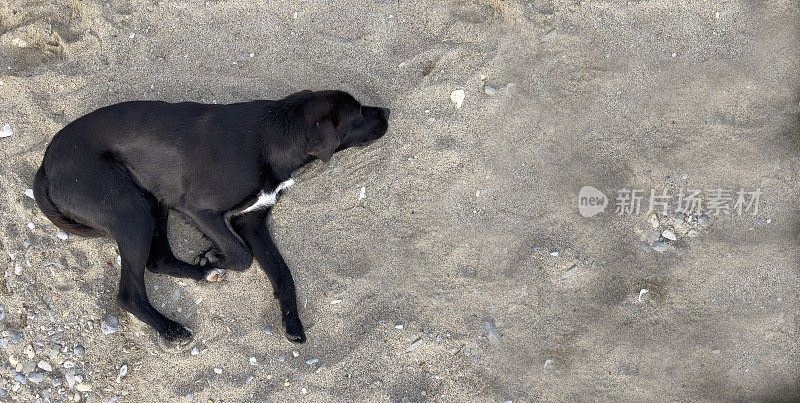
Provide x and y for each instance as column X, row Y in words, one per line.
column 322, row 139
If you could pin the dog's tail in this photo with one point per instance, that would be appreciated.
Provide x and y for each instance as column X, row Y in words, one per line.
column 67, row 224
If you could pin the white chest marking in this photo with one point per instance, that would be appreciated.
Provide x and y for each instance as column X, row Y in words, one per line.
column 267, row 199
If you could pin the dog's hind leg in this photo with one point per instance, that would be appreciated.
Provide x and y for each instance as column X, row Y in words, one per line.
column 133, row 231
column 253, row 229
column 101, row 194
column 162, row 260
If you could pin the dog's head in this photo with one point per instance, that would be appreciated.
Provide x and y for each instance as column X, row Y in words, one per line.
column 334, row 121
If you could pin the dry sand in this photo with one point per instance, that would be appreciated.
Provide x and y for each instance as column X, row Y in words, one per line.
column 464, row 207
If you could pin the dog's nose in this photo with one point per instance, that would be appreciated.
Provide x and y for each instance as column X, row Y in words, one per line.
column 386, row 112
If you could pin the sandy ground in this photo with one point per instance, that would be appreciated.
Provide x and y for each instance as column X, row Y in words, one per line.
column 455, row 243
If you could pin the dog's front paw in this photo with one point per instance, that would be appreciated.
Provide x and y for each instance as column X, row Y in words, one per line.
column 294, row 329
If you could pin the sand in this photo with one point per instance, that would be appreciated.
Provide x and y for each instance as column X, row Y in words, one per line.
column 463, row 211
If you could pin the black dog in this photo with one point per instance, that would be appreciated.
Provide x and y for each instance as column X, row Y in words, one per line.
column 119, row 170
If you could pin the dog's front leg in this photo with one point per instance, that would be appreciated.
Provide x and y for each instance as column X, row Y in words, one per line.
column 252, row 227
column 235, row 255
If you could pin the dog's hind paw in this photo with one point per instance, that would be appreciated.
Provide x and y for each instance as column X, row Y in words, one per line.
column 207, row 257
column 215, row 275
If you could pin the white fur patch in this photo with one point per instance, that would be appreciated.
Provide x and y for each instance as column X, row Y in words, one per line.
column 267, row 199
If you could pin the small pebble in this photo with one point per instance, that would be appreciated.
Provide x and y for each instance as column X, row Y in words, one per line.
column 268, row 330
column 195, row 351
column 570, row 272
column 660, row 247
column 29, row 193
column 416, row 343
column 123, row 370
column 45, row 366
column 29, row 367
column 312, row 361
column 295, row 353
column 489, row 90
column 491, row 332
column 642, row 292
column 79, row 350
column 253, row 361
column 548, row 36
column 110, row 325
column 6, row 131
column 29, row 351
column 653, row 236
column 62, row 235
column 69, row 376
column 669, row 235
column 457, row 97
column 554, row 253
column 398, row 326
column 336, row 301
column 654, row 221
column 83, row 387
column 218, row 370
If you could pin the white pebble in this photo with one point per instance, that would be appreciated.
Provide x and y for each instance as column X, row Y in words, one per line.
column 253, row 361
column 336, row 301
column 312, row 361
column 62, row 235
column 642, row 292
column 669, row 235
column 132, row 35
column 29, row 193
column 7, row 131
column 363, row 194
column 217, row 371
column 398, row 326
column 123, row 370
column 457, row 97
column 45, row 366
column 295, row 353
column 31, row 226
column 554, row 253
